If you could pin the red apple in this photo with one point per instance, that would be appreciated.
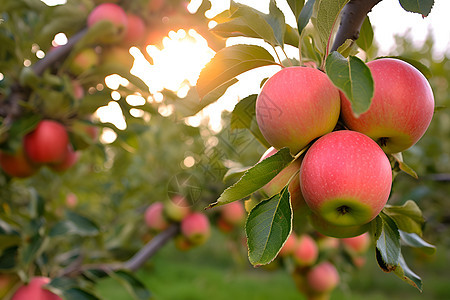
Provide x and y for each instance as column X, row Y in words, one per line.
column 306, row 251
column 233, row 213
column 346, row 178
column 113, row 13
column 35, row 290
column 47, row 143
column 17, row 164
column 296, row 106
column 401, row 109
column 154, row 217
column 135, row 33
column 196, row 228
column 336, row 231
column 289, row 246
column 279, row 182
column 358, row 244
column 323, row 278
column 83, row 61
column 71, row 200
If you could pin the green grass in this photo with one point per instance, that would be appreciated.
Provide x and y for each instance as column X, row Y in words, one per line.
column 215, row 272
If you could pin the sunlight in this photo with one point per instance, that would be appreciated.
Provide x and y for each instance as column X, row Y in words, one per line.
column 177, row 65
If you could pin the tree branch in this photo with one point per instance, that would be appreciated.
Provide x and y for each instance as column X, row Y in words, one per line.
column 134, row 263
column 58, row 54
column 352, row 18
column 151, row 248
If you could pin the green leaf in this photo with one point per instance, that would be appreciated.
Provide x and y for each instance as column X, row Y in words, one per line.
column 408, row 217
column 422, row 7
column 244, row 116
column 234, row 173
column 296, row 6
column 134, row 286
column 388, row 244
column 276, row 20
column 365, row 38
column 407, row 275
column 74, row 224
column 8, row 258
column 8, row 236
column 268, row 227
column 324, row 19
column 403, row 166
column 32, row 249
column 305, row 15
column 416, row 64
column 229, row 63
column 270, row 27
column 414, row 240
column 353, row 77
column 255, row 177
column 78, row 294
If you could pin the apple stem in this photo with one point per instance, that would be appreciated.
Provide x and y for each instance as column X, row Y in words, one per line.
column 352, row 18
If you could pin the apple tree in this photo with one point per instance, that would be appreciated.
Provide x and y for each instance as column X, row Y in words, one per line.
column 73, row 203
column 335, row 87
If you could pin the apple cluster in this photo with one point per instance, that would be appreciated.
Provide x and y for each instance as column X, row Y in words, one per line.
column 127, row 29
column 47, row 144
column 314, row 272
column 345, row 175
column 194, row 226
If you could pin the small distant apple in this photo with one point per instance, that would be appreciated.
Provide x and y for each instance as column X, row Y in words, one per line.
column 289, row 246
column 135, row 33
column 233, row 213
column 177, row 208
column 306, row 251
column 154, row 217
column 196, row 228
column 323, row 277
column 113, row 13
column 84, row 61
column 358, row 244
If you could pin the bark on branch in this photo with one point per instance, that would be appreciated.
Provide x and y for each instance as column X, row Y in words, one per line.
column 133, row 264
column 352, row 18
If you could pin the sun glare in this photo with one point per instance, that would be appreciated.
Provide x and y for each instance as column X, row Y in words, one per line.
column 177, row 65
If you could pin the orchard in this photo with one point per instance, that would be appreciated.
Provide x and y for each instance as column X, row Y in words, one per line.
column 182, row 149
